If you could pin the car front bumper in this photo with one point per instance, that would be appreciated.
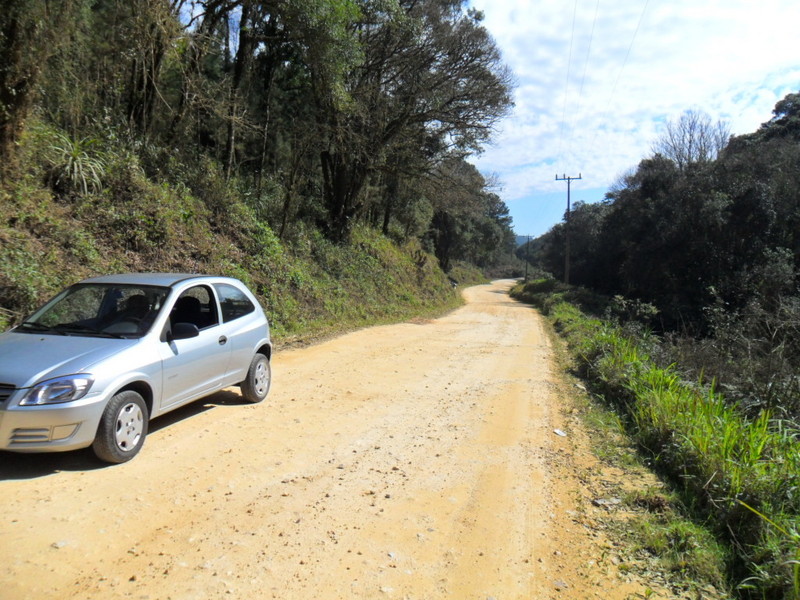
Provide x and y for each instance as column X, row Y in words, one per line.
column 54, row 428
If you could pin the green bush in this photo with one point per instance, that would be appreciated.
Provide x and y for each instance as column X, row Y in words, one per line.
column 740, row 475
column 196, row 221
column 76, row 167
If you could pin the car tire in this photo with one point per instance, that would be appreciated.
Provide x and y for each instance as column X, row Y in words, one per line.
column 122, row 428
column 259, row 377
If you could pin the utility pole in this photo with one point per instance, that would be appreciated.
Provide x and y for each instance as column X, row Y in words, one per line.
column 569, row 181
column 527, row 249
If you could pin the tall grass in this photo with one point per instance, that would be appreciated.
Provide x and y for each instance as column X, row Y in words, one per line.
column 741, row 475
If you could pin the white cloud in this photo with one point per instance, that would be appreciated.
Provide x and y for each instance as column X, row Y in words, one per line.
column 733, row 60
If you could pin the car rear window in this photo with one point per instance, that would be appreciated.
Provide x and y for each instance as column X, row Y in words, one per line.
column 233, row 301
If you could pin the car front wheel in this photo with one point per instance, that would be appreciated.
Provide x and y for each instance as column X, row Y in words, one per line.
column 122, row 429
column 259, row 376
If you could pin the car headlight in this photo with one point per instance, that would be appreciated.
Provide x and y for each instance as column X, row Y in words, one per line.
column 61, row 389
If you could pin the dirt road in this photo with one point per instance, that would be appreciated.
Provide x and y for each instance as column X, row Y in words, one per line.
column 408, row 461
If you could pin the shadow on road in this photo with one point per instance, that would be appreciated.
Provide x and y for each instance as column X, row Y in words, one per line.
column 15, row 465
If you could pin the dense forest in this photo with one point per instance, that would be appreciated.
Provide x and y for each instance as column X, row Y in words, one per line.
column 701, row 242
column 683, row 313
column 142, row 128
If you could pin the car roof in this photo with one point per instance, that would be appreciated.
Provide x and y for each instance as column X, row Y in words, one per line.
column 158, row 279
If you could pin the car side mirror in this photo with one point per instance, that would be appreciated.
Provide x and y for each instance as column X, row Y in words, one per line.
column 184, row 331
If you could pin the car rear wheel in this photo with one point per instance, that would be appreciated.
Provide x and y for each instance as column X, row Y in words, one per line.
column 122, row 429
column 256, row 387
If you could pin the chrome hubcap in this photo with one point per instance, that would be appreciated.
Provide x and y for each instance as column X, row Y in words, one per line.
column 130, row 424
column 261, row 378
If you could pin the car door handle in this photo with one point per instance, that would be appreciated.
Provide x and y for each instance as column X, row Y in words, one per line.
column 223, row 340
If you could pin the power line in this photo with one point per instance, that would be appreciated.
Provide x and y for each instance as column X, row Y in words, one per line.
column 566, row 83
column 589, row 49
column 628, row 53
column 583, row 79
column 619, row 74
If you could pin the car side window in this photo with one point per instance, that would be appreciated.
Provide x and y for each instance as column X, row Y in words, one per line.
column 196, row 306
column 233, row 301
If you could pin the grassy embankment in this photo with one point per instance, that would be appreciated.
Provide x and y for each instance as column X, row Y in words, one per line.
column 62, row 222
column 739, row 477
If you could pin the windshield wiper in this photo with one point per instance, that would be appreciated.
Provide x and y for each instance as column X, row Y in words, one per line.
column 118, row 336
column 68, row 328
column 34, row 326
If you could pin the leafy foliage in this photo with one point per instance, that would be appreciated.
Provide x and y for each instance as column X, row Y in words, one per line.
column 75, row 167
column 740, row 474
column 232, row 136
column 704, row 249
column 712, row 245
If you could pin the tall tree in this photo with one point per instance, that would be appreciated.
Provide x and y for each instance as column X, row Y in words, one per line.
column 693, row 138
column 30, row 32
column 469, row 222
column 426, row 64
column 154, row 31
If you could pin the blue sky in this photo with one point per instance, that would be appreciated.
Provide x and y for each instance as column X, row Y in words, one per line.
column 598, row 79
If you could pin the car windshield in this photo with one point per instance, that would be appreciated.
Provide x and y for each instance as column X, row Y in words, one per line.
column 105, row 310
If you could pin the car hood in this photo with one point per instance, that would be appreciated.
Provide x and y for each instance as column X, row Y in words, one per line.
column 27, row 358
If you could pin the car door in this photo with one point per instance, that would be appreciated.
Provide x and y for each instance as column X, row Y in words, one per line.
column 195, row 366
column 244, row 326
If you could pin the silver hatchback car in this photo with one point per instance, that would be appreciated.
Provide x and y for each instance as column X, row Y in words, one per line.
column 106, row 355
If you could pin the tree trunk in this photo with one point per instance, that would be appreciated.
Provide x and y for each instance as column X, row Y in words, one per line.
column 262, row 163
column 243, row 54
column 342, row 184
column 392, row 185
column 443, row 239
column 30, row 33
column 146, row 67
